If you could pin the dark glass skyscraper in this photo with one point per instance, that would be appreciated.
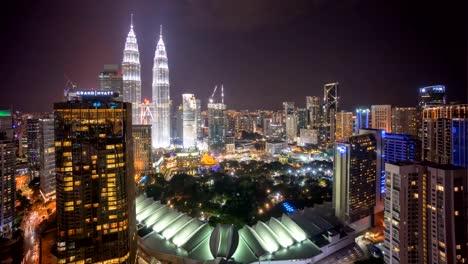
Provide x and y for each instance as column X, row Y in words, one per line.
column 362, row 119
column 111, row 79
column 405, row 120
column 95, row 187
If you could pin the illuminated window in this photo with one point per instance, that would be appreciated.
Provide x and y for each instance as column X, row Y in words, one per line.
column 110, row 147
column 456, row 213
column 440, row 188
column 69, row 203
column 68, row 189
column 416, row 196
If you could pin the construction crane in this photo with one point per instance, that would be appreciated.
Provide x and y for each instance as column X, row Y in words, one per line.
column 211, row 100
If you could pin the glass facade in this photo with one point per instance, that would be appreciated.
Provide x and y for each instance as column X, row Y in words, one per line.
column 95, row 187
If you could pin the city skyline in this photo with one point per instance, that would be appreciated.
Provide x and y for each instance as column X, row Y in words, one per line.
column 247, row 55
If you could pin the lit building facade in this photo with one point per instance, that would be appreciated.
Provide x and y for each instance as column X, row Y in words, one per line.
column 47, row 157
column 330, row 108
column 405, row 120
column 401, row 147
column 363, row 119
column 142, row 148
column 290, row 121
column 460, row 142
column 95, row 186
column 216, row 124
column 354, row 184
column 161, row 126
column 313, row 106
column 447, row 236
column 33, row 149
column 382, row 117
column 344, row 125
column 7, row 174
column 404, row 219
column 425, row 213
column 189, row 120
column 111, row 79
column 131, row 70
column 437, row 131
column 432, row 96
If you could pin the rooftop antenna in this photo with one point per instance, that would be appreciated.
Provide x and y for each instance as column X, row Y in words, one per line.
column 160, row 31
column 131, row 20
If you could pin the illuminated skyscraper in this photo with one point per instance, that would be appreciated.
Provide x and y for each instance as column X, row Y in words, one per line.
column 142, row 148
column 354, row 184
column 362, row 119
column 437, row 131
column 291, row 121
column 330, row 108
column 405, row 120
column 382, row 117
column 302, row 118
column 189, row 120
column 47, row 157
column 33, row 127
column 344, row 125
column 111, row 80
column 7, row 174
column 161, row 127
column 432, row 95
column 216, row 122
column 95, row 186
column 313, row 106
column 131, row 74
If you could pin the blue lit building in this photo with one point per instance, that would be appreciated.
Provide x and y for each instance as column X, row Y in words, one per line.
column 460, row 142
column 362, row 119
column 401, row 147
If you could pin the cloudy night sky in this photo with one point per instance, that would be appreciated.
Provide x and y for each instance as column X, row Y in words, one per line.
column 263, row 51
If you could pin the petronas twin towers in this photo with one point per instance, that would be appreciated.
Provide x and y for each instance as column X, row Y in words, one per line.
column 160, row 126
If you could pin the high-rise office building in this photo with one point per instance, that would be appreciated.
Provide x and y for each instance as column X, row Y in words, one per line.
column 47, row 157
column 382, row 117
column 432, row 96
column 354, row 184
column 425, row 213
column 302, row 118
column 142, row 148
column 405, row 120
column 7, row 174
column 437, row 131
column 161, row 127
column 131, row 74
column 344, row 125
column 189, row 120
column 95, row 183
column 198, row 115
column 216, row 123
column 313, row 106
column 290, row 121
column 111, row 79
column 363, row 119
column 330, row 108
column 401, row 147
column 460, row 142
column 33, row 150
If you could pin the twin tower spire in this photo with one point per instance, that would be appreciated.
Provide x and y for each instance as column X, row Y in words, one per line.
column 131, row 68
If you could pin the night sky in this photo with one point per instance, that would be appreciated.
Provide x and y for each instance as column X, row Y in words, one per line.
column 263, row 51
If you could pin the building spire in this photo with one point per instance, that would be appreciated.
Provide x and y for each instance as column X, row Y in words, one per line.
column 160, row 31
column 131, row 20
